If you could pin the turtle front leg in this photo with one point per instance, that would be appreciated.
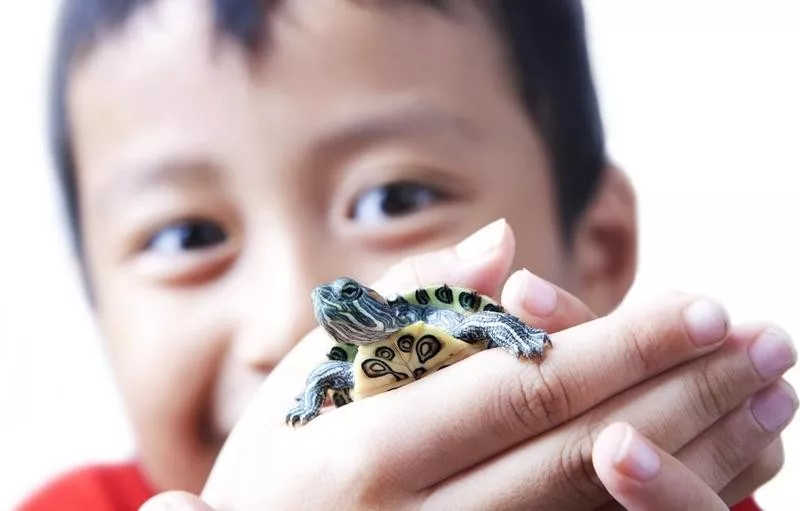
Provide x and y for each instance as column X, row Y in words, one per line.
column 504, row 331
column 334, row 375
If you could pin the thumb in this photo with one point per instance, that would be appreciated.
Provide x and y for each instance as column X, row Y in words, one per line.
column 175, row 501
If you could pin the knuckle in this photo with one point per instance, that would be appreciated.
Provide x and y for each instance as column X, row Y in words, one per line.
column 769, row 464
column 649, row 335
column 710, row 391
column 578, row 477
column 369, row 488
column 733, row 454
column 756, row 475
column 358, row 447
column 728, row 457
column 531, row 401
column 642, row 339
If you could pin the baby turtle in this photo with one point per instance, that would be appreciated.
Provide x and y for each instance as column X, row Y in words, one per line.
column 382, row 344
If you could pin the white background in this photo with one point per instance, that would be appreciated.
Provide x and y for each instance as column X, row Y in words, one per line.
column 700, row 99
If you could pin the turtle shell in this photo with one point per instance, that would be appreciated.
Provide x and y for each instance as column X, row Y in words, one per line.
column 418, row 349
column 459, row 299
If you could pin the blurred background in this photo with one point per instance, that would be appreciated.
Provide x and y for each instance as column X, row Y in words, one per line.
column 702, row 109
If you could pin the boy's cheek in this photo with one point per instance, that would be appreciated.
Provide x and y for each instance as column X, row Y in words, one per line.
column 165, row 356
column 167, row 364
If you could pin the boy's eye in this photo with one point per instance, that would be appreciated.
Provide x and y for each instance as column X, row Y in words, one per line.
column 393, row 200
column 188, row 235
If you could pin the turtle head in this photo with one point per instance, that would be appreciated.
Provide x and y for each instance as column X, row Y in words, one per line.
column 352, row 313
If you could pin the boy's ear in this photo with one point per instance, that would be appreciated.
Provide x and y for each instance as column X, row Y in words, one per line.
column 606, row 244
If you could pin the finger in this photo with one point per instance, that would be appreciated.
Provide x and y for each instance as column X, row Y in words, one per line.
column 642, row 477
column 481, row 261
column 755, row 476
column 172, row 500
column 474, row 410
column 672, row 409
column 734, row 443
column 542, row 304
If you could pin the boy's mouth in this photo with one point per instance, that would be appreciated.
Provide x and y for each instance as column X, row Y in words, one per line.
column 233, row 393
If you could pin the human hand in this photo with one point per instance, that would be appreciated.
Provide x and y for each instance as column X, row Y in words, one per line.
column 501, row 417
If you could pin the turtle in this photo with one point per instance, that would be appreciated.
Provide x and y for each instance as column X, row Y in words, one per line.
column 383, row 343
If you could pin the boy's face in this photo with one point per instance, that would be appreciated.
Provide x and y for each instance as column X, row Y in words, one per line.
column 217, row 191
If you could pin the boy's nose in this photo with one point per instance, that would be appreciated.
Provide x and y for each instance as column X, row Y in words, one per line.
column 276, row 310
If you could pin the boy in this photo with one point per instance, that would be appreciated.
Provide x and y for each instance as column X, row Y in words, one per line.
column 223, row 158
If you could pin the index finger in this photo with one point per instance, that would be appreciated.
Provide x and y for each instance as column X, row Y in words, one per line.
column 543, row 304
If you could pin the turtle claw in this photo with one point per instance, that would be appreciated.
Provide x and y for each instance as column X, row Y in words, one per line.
column 300, row 415
column 532, row 346
column 330, row 375
column 295, row 414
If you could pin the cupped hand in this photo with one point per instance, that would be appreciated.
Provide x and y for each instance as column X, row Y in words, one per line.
column 494, row 432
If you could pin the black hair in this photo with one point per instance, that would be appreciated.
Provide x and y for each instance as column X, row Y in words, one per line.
column 546, row 47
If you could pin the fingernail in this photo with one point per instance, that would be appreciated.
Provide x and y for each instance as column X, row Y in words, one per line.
column 635, row 458
column 773, row 407
column 772, row 354
column 483, row 241
column 539, row 298
column 707, row 322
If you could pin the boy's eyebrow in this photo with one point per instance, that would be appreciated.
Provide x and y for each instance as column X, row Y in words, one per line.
column 167, row 171
column 395, row 120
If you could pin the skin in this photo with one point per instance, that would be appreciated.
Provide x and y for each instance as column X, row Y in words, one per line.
column 270, row 156
column 433, row 464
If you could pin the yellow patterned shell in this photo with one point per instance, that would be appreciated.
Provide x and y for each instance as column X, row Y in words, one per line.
column 418, row 349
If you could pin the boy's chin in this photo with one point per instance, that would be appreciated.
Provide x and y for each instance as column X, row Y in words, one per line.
column 180, row 465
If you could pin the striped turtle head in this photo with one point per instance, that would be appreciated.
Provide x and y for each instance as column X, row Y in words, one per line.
column 352, row 313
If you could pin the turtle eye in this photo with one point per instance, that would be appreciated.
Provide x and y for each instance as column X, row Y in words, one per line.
column 350, row 291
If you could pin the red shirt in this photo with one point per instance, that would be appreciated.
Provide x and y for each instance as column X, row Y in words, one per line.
column 124, row 488
column 95, row 488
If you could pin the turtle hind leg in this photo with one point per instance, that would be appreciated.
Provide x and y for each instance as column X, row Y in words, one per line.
column 333, row 375
column 504, row 331
column 341, row 397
